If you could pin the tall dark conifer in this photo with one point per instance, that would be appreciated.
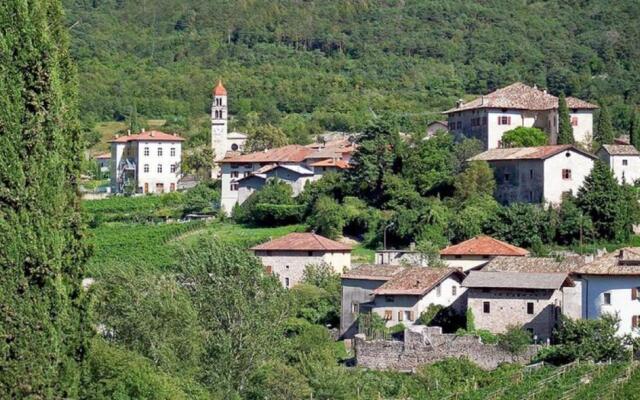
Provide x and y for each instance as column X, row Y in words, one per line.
column 634, row 129
column 565, row 131
column 42, row 317
column 604, row 127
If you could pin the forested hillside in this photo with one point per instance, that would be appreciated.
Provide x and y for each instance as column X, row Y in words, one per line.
column 333, row 64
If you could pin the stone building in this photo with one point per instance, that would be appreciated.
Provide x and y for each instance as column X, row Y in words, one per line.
column 624, row 161
column 477, row 251
column 537, row 174
column 488, row 117
column 611, row 285
column 287, row 257
column 147, row 162
column 533, row 300
column 397, row 293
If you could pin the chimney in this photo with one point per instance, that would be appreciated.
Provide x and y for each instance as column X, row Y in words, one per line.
column 412, row 246
column 150, row 133
column 143, row 130
column 544, row 91
column 459, row 103
column 128, row 132
column 482, row 100
column 117, row 136
column 535, row 86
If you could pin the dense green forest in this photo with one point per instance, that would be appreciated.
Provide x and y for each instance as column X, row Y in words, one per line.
column 334, row 64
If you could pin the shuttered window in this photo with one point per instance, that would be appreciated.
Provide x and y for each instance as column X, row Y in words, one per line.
column 388, row 315
column 400, row 314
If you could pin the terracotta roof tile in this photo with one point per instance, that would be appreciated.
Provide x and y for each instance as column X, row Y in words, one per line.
column 621, row 149
column 373, row 272
column 292, row 153
column 331, row 162
column 483, row 246
column 148, row 136
column 527, row 153
column 102, row 155
column 416, row 281
column 625, row 261
column 517, row 280
column 533, row 264
column 520, row 96
column 219, row 90
column 303, row 241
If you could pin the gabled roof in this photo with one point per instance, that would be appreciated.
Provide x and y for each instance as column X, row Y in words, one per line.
column 373, row 272
column 533, row 264
column 483, row 246
column 625, row 261
column 292, row 153
column 303, row 241
column 331, row 162
column 516, row 280
column 102, row 155
column 148, row 136
column 416, row 281
column 621, row 149
column 219, row 90
column 527, row 153
column 522, row 97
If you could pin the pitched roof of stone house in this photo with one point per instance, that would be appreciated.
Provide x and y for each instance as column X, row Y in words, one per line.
column 416, row 281
column 533, row 264
column 527, row 153
column 625, row 261
column 516, row 280
column 292, row 153
column 621, row 149
column 331, row 162
column 483, row 246
column 373, row 272
column 522, row 97
column 148, row 136
column 303, row 241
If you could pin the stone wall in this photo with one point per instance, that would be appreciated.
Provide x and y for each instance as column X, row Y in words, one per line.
column 426, row 345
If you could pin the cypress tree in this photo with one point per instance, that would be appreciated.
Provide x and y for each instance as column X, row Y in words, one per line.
column 604, row 128
column 565, row 131
column 634, row 129
column 42, row 317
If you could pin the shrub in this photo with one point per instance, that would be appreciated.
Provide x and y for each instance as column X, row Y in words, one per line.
column 515, row 339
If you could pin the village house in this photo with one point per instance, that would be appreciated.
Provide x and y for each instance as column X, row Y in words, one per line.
column 623, row 159
column 534, row 301
column 477, row 251
column 147, row 162
column 397, row 293
column 103, row 160
column 488, row 117
column 537, row 174
column 611, row 285
column 243, row 174
column 435, row 127
column 288, row 256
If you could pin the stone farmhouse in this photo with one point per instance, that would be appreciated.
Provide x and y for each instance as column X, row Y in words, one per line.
column 489, row 116
column 537, row 174
column 533, row 300
column 477, row 251
column 288, row 256
column 242, row 174
column 147, row 162
column 398, row 294
column 611, row 285
column 623, row 159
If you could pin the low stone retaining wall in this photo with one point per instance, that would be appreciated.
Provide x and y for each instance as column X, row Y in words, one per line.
column 426, row 345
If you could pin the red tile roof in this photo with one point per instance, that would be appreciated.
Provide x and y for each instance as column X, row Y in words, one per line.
column 624, row 261
column 219, row 90
column 373, row 272
column 102, row 155
column 527, row 153
column 416, row 281
column 483, row 246
column 331, row 162
column 293, row 153
column 520, row 96
column 305, row 241
column 148, row 136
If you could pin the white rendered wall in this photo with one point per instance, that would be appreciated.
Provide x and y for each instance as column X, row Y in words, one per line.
column 291, row 264
column 583, row 131
column 153, row 177
column 554, row 186
column 593, row 289
column 628, row 173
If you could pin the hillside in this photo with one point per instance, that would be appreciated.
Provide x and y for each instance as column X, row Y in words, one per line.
column 333, row 64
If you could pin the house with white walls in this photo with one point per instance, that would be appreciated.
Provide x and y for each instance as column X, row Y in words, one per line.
column 147, row 162
column 537, row 174
column 489, row 116
column 623, row 159
column 288, row 256
column 477, row 251
column 611, row 285
column 296, row 165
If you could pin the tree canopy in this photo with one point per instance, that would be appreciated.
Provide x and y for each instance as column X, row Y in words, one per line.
column 525, row 137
